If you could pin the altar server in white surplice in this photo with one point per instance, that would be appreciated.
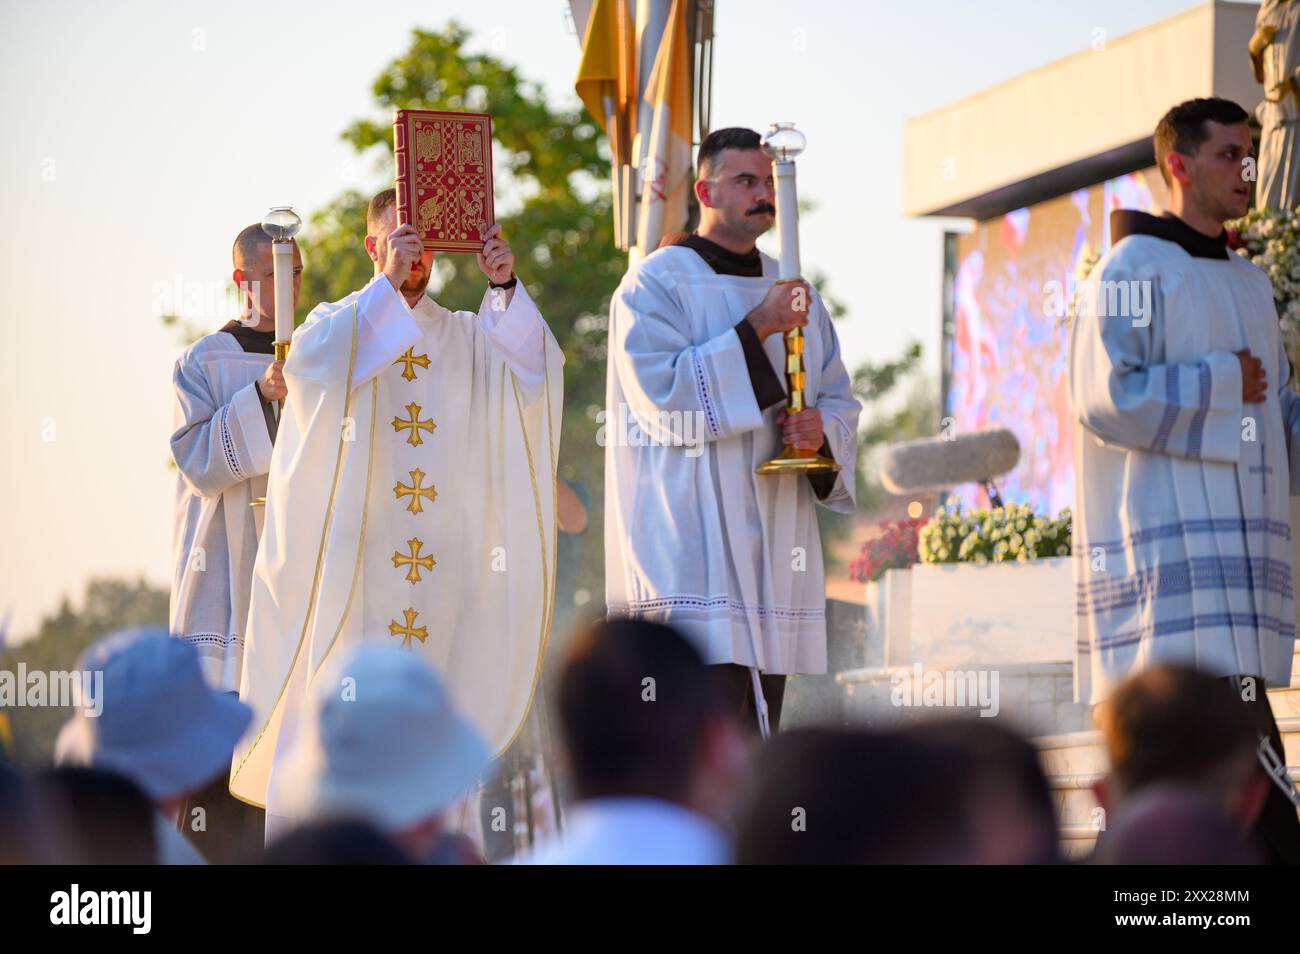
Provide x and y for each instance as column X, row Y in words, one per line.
column 226, row 384
column 411, row 499
column 1183, row 458
column 695, row 402
column 225, row 426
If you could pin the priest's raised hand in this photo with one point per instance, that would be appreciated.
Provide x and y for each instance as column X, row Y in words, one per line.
column 496, row 261
column 400, row 252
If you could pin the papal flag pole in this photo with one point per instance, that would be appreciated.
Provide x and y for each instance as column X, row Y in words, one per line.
column 783, row 143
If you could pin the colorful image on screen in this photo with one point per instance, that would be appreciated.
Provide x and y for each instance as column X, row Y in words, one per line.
column 1009, row 336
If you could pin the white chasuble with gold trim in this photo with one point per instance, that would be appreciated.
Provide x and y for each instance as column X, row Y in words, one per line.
column 411, row 500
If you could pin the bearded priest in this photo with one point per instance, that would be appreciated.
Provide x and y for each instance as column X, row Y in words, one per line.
column 411, row 498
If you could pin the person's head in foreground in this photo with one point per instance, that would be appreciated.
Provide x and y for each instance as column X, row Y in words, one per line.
column 18, row 843
column 160, row 723
column 655, row 753
column 335, row 843
column 1006, row 801
column 384, row 745
column 942, row 793
column 1202, row 147
column 734, row 188
column 1173, row 726
column 87, row 816
column 1169, row 825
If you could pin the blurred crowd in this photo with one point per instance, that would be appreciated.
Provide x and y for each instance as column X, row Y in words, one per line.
column 659, row 770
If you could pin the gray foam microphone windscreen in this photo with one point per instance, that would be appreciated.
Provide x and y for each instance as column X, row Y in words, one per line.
column 935, row 462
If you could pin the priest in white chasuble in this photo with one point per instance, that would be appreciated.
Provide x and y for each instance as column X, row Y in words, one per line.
column 411, row 498
column 693, row 536
column 1184, row 454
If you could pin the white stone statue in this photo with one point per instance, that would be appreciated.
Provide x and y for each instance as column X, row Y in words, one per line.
column 1275, row 56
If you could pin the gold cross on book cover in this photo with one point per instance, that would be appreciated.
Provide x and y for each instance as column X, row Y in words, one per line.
column 444, row 177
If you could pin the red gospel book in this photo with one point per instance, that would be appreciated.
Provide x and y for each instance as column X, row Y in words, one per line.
column 444, row 177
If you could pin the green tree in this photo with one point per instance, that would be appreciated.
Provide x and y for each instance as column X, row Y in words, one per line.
column 898, row 404
column 553, row 203
column 61, row 638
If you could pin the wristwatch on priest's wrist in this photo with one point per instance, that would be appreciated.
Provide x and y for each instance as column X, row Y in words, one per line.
column 513, row 280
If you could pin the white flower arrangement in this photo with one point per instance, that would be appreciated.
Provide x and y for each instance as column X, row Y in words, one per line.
column 1002, row 534
column 1270, row 239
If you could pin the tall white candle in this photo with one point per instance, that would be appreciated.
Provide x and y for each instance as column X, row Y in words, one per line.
column 283, row 260
column 282, row 224
column 787, row 218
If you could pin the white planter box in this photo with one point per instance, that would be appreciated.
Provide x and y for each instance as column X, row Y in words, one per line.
column 992, row 613
column 889, row 618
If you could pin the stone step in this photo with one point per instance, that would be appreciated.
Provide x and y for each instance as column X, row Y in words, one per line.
column 1285, row 702
column 1032, row 698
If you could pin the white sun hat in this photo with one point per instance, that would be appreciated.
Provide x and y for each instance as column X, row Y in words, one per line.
column 383, row 743
column 161, row 725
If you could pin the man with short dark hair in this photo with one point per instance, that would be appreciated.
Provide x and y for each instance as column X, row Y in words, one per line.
column 655, row 750
column 1174, row 727
column 1179, row 381
column 942, row 792
column 695, row 402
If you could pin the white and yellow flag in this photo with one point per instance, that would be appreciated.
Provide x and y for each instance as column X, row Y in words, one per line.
column 607, row 86
column 666, row 174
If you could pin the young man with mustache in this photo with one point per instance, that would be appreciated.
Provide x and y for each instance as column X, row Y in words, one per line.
column 693, row 537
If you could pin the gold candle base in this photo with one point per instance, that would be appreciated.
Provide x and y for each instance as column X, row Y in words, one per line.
column 792, row 460
column 281, row 354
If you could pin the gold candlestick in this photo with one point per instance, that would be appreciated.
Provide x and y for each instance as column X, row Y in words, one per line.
column 783, row 143
column 282, row 224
